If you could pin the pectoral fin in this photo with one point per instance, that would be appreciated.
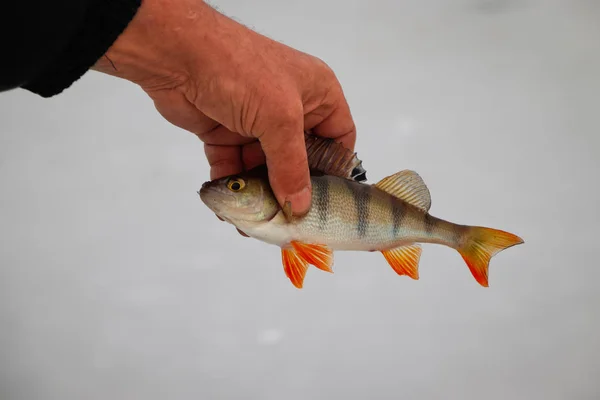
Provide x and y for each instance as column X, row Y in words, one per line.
column 297, row 258
column 315, row 254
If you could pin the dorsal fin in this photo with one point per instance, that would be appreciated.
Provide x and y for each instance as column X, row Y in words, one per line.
column 408, row 186
column 328, row 157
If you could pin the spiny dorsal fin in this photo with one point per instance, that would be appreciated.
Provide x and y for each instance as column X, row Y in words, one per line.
column 328, row 157
column 408, row 186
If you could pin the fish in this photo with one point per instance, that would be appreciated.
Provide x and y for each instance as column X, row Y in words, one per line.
column 390, row 216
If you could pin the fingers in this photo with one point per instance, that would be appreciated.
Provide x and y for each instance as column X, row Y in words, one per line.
column 285, row 150
column 253, row 155
column 339, row 125
column 176, row 109
column 223, row 160
column 228, row 153
column 231, row 160
column 224, row 137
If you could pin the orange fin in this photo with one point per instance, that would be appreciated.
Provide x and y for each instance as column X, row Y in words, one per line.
column 318, row 255
column 481, row 245
column 407, row 185
column 404, row 260
column 294, row 266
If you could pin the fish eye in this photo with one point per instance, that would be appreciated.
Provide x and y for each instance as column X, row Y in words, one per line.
column 236, row 184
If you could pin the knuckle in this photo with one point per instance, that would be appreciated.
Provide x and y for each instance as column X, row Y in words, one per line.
column 323, row 69
column 289, row 112
column 285, row 113
column 273, row 104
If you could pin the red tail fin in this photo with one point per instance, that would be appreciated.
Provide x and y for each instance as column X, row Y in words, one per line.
column 481, row 245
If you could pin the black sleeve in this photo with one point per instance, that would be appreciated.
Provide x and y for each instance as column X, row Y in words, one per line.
column 47, row 45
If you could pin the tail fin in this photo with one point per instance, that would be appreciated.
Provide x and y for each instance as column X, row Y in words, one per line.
column 480, row 245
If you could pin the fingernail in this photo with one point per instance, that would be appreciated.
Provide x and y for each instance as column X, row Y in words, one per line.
column 300, row 201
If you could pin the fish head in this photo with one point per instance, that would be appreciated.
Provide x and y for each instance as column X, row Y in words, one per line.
column 242, row 198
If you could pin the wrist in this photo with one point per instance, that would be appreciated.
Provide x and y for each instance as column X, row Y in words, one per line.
column 153, row 51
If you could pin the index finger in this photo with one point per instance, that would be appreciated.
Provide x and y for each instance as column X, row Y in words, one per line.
column 223, row 160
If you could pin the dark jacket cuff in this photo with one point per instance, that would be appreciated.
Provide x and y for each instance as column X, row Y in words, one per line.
column 104, row 21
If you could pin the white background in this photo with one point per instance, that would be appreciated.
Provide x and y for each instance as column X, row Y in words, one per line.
column 116, row 282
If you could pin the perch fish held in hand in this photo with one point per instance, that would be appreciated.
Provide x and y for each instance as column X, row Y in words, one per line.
column 391, row 216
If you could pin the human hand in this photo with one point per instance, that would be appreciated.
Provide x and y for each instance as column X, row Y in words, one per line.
column 247, row 97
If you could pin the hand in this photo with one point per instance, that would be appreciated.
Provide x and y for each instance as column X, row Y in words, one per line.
column 247, row 97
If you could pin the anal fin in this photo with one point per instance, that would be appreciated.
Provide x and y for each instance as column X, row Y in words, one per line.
column 318, row 255
column 404, row 260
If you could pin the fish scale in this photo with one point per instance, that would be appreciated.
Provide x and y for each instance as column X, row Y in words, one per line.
column 354, row 216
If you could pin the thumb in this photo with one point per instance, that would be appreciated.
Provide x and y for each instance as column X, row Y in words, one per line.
column 287, row 163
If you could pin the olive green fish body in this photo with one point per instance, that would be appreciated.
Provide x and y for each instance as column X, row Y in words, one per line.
column 348, row 215
column 390, row 216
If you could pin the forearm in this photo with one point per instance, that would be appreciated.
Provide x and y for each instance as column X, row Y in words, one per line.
column 47, row 45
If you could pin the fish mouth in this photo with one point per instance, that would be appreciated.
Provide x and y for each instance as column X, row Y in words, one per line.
column 213, row 198
column 207, row 187
column 204, row 191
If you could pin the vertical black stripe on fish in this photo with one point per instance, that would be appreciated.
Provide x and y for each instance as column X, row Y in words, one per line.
column 429, row 224
column 322, row 201
column 362, row 196
column 398, row 213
